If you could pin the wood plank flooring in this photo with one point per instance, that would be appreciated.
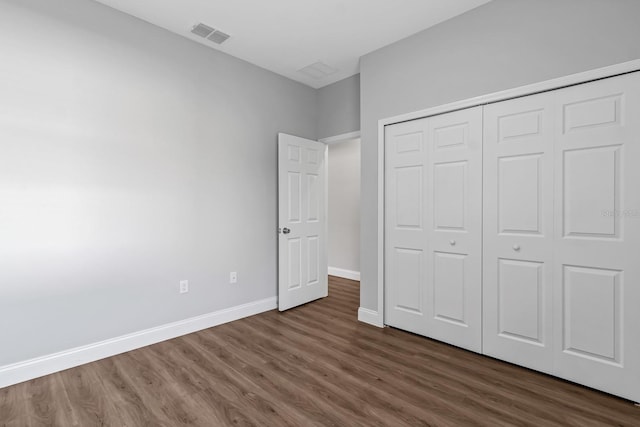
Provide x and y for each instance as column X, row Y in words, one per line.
column 313, row 365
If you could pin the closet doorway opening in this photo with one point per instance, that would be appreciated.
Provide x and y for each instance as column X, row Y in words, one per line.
column 344, row 207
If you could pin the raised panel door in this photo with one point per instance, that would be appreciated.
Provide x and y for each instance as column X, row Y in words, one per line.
column 302, row 248
column 518, row 231
column 454, row 228
column 405, row 233
column 597, row 241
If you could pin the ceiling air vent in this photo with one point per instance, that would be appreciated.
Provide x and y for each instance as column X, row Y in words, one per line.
column 318, row 71
column 218, row 37
column 202, row 30
column 210, row 33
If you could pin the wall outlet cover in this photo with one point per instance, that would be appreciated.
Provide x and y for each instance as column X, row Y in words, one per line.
column 184, row 286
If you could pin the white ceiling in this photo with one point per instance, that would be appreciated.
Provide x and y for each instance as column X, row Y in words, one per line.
column 285, row 36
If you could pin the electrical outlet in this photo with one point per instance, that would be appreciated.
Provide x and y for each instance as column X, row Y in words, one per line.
column 184, row 286
column 233, row 277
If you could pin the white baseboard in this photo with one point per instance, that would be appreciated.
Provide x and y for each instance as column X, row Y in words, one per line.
column 369, row 316
column 346, row 274
column 41, row 366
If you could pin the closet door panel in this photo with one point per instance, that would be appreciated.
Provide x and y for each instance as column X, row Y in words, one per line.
column 518, row 231
column 406, row 241
column 454, row 220
column 597, row 241
column 433, row 227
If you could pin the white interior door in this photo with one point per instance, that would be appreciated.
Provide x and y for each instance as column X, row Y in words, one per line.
column 406, row 236
column 454, row 220
column 518, row 231
column 433, row 227
column 302, row 212
column 597, row 244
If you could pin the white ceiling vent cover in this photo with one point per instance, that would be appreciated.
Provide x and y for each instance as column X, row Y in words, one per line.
column 218, row 37
column 202, row 30
column 318, row 71
column 210, row 33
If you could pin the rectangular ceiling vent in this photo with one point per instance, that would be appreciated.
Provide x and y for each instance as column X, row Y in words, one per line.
column 318, row 71
column 202, row 30
column 218, row 37
column 209, row 33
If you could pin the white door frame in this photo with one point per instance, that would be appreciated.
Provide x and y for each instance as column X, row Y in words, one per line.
column 372, row 317
column 340, row 138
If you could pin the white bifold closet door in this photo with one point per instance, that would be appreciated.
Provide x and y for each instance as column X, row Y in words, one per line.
column 433, row 227
column 597, row 240
column 562, row 233
column 518, row 231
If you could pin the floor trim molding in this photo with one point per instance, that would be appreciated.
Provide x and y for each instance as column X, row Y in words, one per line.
column 345, row 274
column 370, row 316
column 45, row 365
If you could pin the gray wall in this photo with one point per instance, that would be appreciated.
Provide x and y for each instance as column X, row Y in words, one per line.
column 344, row 205
column 339, row 107
column 501, row 45
column 130, row 158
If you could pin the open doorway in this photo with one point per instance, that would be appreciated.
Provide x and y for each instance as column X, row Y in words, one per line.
column 344, row 208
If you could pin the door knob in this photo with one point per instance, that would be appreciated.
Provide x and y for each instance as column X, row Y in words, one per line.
column 516, row 248
column 286, row 230
column 452, row 242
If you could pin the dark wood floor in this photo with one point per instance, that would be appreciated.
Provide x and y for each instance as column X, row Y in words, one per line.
column 313, row 365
